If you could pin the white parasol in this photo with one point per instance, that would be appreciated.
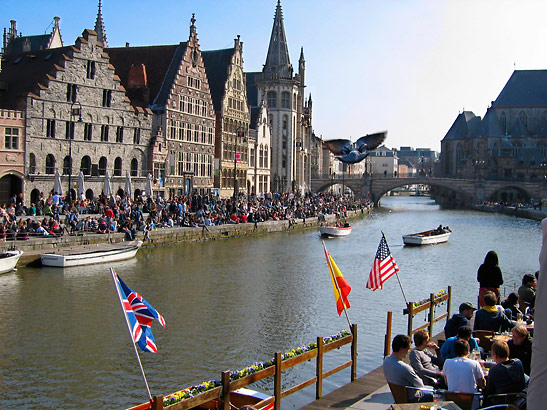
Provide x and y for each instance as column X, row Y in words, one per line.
column 81, row 185
column 128, row 186
column 107, row 189
column 57, row 183
column 149, row 185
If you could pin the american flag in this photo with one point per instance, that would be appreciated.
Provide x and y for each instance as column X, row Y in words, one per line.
column 383, row 268
column 140, row 314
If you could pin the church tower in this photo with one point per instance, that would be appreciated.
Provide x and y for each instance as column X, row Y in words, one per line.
column 99, row 26
column 283, row 91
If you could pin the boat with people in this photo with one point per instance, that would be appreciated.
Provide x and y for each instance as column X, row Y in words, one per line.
column 432, row 237
column 336, row 230
column 90, row 255
column 9, row 259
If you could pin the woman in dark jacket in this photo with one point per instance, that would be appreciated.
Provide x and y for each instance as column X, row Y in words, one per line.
column 489, row 277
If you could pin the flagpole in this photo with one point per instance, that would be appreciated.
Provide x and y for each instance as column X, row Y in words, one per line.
column 336, row 283
column 397, row 274
column 130, row 334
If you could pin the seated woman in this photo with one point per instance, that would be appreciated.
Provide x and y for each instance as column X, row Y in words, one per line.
column 511, row 304
column 520, row 347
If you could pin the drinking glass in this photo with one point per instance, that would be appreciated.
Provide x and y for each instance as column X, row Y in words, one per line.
column 436, row 398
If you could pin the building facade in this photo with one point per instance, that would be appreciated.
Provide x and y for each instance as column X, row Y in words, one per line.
column 258, row 175
column 12, row 153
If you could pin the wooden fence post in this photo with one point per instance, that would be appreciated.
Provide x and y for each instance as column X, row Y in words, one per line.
column 431, row 313
column 449, row 302
column 225, row 395
column 354, row 352
column 319, row 369
column 387, row 342
column 157, row 402
column 277, row 381
column 410, row 317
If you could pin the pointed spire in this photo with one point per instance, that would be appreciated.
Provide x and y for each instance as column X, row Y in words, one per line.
column 193, row 25
column 99, row 26
column 277, row 60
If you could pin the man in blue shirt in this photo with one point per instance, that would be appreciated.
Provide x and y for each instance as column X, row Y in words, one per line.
column 464, row 333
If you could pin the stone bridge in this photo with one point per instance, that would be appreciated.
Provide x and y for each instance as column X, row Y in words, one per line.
column 465, row 190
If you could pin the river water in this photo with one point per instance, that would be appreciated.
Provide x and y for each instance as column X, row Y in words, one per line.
column 230, row 303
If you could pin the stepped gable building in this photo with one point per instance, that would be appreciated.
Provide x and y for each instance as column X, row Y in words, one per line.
column 290, row 115
column 227, row 82
column 15, row 43
column 12, row 153
column 78, row 118
column 509, row 142
column 258, row 175
column 172, row 81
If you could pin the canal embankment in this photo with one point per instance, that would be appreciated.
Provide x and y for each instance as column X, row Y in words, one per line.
column 33, row 247
column 528, row 213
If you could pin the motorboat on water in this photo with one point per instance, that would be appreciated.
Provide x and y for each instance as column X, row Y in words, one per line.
column 90, row 255
column 338, row 230
column 8, row 260
column 432, row 237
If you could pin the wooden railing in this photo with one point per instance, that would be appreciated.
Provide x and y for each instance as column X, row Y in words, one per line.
column 221, row 394
column 412, row 311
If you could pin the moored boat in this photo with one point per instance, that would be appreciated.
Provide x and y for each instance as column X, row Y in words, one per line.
column 431, row 237
column 8, row 260
column 342, row 230
column 90, row 255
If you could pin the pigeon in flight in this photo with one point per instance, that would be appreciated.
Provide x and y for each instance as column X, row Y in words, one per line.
column 350, row 153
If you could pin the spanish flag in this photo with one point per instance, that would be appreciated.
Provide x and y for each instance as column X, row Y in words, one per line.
column 341, row 286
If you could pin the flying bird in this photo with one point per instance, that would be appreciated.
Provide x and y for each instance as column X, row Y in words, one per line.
column 350, row 153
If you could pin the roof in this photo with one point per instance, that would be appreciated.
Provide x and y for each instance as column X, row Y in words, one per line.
column 28, row 43
column 216, row 66
column 277, row 59
column 525, row 88
column 252, row 89
column 161, row 62
column 465, row 125
column 22, row 72
column 490, row 125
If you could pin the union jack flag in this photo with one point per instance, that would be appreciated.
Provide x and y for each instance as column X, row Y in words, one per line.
column 383, row 268
column 140, row 314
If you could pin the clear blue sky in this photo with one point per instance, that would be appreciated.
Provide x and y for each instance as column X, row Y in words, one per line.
column 408, row 67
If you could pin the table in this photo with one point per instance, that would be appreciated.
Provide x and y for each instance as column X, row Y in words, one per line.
column 448, row 405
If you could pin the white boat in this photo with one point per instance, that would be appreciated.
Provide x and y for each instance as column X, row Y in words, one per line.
column 8, row 260
column 90, row 255
column 428, row 237
column 335, row 230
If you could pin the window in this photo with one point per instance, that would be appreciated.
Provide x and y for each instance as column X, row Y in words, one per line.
column 91, row 70
column 119, row 134
column 137, row 136
column 71, row 92
column 88, row 132
column 190, row 105
column 134, row 167
column 272, row 99
column 69, row 135
column 503, row 120
column 11, row 138
column 32, row 164
column 118, row 167
column 85, row 165
column 180, row 163
column 107, row 98
column 50, row 164
column 104, row 133
column 50, row 128
column 67, row 165
column 266, row 156
column 102, row 166
column 285, row 99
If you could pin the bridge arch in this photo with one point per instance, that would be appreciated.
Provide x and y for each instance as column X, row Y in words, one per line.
column 356, row 186
column 504, row 193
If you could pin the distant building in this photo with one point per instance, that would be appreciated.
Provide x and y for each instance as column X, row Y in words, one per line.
column 12, row 153
column 417, row 161
column 258, row 175
column 15, row 43
column 383, row 162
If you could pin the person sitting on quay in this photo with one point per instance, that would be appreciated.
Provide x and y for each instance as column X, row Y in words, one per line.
column 527, row 291
column 398, row 372
column 463, row 374
column 464, row 333
column 507, row 376
column 459, row 319
column 426, row 363
column 490, row 317
column 520, row 347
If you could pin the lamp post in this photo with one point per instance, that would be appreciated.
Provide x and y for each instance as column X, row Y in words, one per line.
column 71, row 130
column 240, row 133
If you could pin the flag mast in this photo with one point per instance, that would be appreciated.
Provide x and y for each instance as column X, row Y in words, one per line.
column 130, row 334
column 397, row 274
column 336, row 283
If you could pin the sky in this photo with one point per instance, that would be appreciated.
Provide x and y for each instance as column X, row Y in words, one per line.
column 405, row 66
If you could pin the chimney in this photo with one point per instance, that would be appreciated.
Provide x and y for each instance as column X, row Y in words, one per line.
column 137, row 76
column 137, row 86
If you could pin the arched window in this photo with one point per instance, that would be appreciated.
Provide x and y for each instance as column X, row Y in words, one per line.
column 102, row 166
column 32, row 164
column 261, row 157
column 272, row 99
column 503, row 120
column 118, row 167
column 134, row 167
column 85, row 165
column 66, row 165
column 266, row 154
column 285, row 99
column 50, row 164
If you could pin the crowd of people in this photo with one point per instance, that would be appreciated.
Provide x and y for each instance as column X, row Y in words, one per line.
column 54, row 216
column 496, row 369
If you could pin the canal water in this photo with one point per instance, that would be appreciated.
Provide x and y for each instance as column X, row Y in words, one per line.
column 230, row 303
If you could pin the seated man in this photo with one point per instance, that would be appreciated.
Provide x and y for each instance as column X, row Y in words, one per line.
column 426, row 364
column 520, row 347
column 463, row 374
column 507, row 376
column 464, row 333
column 459, row 319
column 398, row 372
column 489, row 317
column 527, row 292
